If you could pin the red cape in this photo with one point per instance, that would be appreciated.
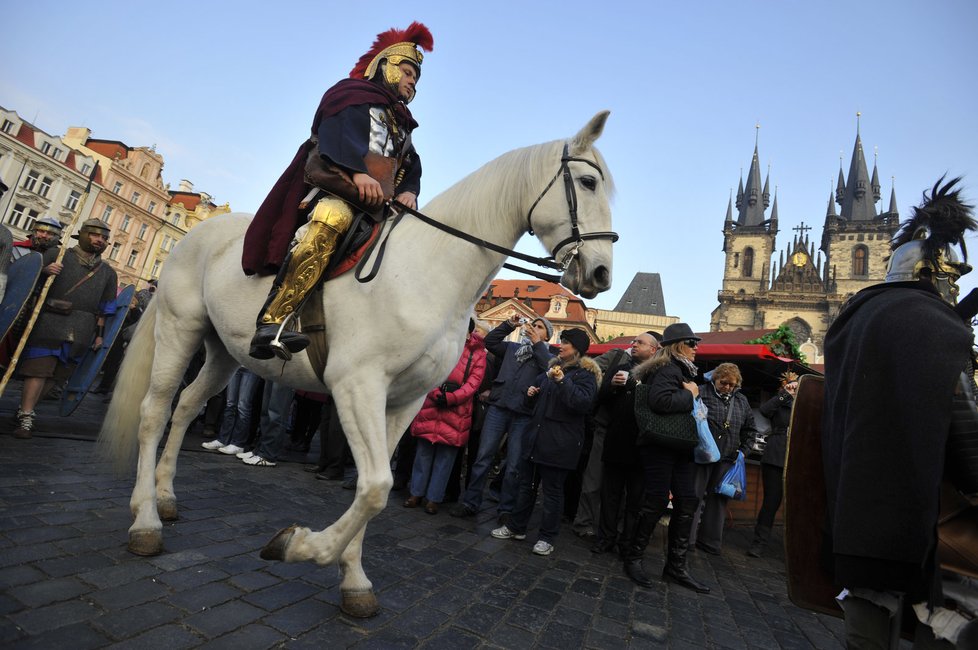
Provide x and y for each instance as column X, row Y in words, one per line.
column 267, row 240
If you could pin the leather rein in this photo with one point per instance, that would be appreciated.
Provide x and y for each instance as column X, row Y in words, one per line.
column 577, row 238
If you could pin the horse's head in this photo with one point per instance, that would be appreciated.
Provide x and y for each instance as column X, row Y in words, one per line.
column 575, row 224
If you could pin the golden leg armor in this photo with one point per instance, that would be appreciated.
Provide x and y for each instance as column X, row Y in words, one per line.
column 330, row 219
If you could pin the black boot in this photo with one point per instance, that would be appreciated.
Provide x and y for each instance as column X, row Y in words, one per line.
column 263, row 344
column 633, row 550
column 761, row 535
column 679, row 528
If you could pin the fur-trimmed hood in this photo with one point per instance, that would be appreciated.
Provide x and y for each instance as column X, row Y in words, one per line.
column 585, row 362
column 649, row 367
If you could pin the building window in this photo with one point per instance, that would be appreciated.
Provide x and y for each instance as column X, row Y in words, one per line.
column 16, row 215
column 142, row 231
column 151, row 207
column 45, row 186
column 117, row 188
column 166, row 242
column 45, row 147
column 56, row 154
column 107, row 213
column 126, row 220
column 85, row 168
column 8, row 126
column 135, row 198
column 114, row 253
column 72, row 201
column 32, row 216
column 748, row 270
column 31, row 181
column 132, row 258
column 175, row 220
column 860, row 261
column 156, row 269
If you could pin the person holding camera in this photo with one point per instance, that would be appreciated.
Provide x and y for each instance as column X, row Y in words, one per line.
column 442, row 426
column 508, row 414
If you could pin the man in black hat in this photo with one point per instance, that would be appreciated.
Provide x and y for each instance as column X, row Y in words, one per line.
column 71, row 321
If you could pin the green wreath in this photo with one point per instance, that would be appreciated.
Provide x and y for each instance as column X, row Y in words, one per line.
column 781, row 342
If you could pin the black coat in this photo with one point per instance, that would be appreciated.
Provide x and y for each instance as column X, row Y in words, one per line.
column 619, row 402
column 892, row 360
column 555, row 436
column 778, row 410
column 731, row 435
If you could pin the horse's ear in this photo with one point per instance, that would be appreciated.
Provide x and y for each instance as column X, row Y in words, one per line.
column 586, row 136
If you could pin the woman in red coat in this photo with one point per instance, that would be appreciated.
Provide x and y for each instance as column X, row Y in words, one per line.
column 442, row 425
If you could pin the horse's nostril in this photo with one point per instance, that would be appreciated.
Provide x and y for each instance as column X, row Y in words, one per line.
column 602, row 277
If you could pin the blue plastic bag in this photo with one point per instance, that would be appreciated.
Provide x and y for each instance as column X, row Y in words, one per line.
column 734, row 482
column 706, row 450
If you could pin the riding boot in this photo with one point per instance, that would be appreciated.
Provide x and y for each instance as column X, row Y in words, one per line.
column 634, row 549
column 299, row 275
column 680, row 526
column 761, row 535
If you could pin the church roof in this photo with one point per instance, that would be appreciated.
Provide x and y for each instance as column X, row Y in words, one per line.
column 858, row 202
column 643, row 296
column 752, row 205
column 535, row 294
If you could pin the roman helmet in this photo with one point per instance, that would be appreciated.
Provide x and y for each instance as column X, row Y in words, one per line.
column 922, row 249
column 48, row 224
column 389, row 50
column 91, row 226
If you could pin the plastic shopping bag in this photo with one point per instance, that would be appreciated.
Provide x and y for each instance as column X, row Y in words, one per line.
column 706, row 450
column 734, row 482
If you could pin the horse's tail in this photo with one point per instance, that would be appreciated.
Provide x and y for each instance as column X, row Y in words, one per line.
column 118, row 439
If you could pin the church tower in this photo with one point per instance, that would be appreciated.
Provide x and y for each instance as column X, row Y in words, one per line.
column 856, row 241
column 799, row 289
column 748, row 244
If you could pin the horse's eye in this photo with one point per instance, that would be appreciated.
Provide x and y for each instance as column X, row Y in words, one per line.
column 589, row 182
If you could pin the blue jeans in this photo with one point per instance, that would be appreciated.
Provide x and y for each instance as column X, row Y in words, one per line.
column 498, row 422
column 432, row 466
column 237, row 408
column 276, row 406
column 552, row 480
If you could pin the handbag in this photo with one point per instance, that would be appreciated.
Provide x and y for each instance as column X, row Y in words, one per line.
column 734, row 482
column 706, row 450
column 673, row 431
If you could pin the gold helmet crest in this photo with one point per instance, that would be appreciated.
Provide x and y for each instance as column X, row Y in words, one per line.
column 390, row 49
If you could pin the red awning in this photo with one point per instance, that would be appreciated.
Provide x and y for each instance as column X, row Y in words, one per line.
column 709, row 351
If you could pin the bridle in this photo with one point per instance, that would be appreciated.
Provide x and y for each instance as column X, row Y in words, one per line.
column 577, row 238
column 570, row 193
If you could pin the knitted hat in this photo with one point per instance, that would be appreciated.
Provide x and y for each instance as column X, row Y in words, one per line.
column 578, row 338
column 546, row 323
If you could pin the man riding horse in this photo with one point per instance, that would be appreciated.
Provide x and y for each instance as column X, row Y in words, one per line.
column 358, row 156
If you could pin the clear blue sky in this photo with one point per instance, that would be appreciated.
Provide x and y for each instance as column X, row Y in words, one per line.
column 226, row 91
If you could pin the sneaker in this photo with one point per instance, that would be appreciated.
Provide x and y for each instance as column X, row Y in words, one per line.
column 258, row 461
column 462, row 510
column 212, row 444
column 244, row 454
column 231, row 450
column 542, row 548
column 503, row 532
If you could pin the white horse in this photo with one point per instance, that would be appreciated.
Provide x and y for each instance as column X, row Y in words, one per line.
column 390, row 340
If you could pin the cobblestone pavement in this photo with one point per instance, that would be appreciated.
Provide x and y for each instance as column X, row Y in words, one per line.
column 67, row 581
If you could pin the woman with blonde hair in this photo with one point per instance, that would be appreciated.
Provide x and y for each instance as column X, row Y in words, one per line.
column 672, row 389
column 778, row 410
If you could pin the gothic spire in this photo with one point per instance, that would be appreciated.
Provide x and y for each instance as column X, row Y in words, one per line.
column 857, row 202
column 893, row 202
column 766, row 194
column 830, row 212
column 774, row 208
column 876, row 179
column 752, row 206
column 729, row 218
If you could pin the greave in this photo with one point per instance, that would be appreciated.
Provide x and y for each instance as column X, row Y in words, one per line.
column 304, row 266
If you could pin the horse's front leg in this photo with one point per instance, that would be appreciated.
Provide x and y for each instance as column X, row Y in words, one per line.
column 362, row 413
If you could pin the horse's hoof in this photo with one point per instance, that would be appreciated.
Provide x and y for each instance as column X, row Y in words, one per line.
column 275, row 549
column 360, row 604
column 146, row 542
column 167, row 508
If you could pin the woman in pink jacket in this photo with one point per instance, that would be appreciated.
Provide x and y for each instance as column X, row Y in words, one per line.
column 442, row 426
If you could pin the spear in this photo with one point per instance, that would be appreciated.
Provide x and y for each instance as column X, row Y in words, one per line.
column 47, row 285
